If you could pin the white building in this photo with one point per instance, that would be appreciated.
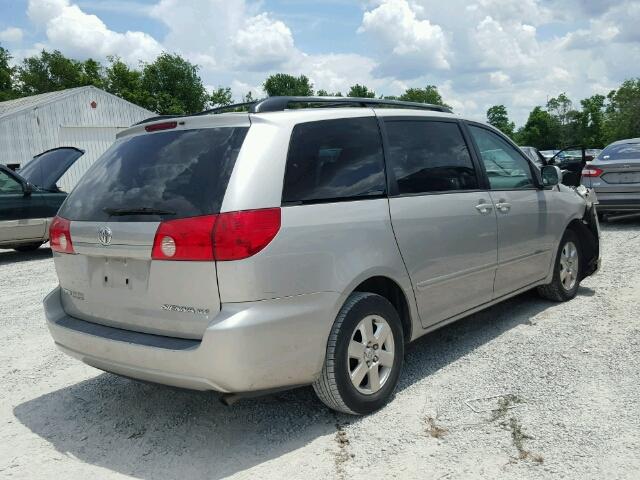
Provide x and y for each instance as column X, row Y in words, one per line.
column 86, row 117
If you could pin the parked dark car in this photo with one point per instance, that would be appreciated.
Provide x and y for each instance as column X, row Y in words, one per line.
column 30, row 198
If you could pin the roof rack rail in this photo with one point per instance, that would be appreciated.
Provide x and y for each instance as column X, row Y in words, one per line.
column 278, row 104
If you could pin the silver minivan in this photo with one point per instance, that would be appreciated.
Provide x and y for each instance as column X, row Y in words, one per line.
column 305, row 241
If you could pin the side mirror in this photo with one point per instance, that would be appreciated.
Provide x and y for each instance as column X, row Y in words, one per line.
column 27, row 189
column 551, row 176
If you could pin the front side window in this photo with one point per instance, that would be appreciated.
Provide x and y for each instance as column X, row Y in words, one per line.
column 506, row 168
column 429, row 156
column 334, row 160
column 9, row 185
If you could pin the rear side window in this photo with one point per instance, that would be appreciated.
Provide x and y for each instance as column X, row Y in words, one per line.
column 182, row 173
column 334, row 160
column 429, row 156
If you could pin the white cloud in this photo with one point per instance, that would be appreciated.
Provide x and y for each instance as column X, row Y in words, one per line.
column 224, row 36
column 407, row 45
column 11, row 35
column 77, row 33
column 263, row 43
column 478, row 53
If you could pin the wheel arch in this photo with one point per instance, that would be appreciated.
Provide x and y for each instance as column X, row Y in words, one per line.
column 589, row 245
column 395, row 294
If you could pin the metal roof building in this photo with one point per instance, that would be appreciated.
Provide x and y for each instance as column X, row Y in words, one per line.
column 86, row 117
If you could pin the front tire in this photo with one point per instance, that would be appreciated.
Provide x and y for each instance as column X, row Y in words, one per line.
column 567, row 270
column 364, row 356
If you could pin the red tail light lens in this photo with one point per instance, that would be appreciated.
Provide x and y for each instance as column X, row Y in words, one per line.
column 592, row 172
column 240, row 235
column 60, row 235
column 161, row 126
column 185, row 239
column 223, row 237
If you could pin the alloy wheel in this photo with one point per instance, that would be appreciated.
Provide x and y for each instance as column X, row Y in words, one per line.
column 569, row 266
column 371, row 354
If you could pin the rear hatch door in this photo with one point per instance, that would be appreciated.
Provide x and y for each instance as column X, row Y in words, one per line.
column 178, row 172
column 46, row 169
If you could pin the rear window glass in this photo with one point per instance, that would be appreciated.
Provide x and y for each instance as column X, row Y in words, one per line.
column 624, row 151
column 334, row 160
column 182, row 173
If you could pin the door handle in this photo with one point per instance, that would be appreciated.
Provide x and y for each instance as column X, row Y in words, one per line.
column 503, row 206
column 484, row 208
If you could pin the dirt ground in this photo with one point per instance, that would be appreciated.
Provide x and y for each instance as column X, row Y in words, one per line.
column 527, row 389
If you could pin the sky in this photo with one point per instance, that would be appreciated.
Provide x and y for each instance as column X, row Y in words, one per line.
column 479, row 53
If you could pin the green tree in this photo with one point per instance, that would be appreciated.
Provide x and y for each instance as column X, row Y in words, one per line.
column 541, row 130
column 221, row 97
column 283, row 84
column 429, row 94
column 48, row 72
column 171, row 85
column 361, row 91
column 622, row 112
column 7, row 91
column 561, row 108
column 92, row 73
column 123, row 81
column 592, row 120
column 498, row 117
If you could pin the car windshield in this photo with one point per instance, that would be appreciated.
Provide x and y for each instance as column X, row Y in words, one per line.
column 621, row 151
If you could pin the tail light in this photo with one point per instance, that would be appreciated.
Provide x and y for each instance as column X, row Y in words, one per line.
column 223, row 237
column 60, row 235
column 240, row 235
column 592, row 172
column 184, row 239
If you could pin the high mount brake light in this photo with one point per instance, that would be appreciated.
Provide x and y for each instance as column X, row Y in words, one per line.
column 60, row 235
column 224, row 237
column 592, row 172
column 161, row 126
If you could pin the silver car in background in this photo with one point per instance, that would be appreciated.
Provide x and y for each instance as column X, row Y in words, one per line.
column 615, row 177
column 262, row 250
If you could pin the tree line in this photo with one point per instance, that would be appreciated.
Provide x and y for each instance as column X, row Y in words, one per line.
column 596, row 122
column 171, row 85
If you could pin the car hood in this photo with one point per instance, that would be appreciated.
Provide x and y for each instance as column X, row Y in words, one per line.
column 45, row 169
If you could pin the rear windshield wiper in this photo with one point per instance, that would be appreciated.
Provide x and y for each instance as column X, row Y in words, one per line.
column 137, row 211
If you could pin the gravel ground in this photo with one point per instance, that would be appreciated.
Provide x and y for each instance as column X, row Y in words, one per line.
column 566, row 377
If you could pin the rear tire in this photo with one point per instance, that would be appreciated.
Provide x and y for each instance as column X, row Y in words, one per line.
column 30, row 247
column 364, row 356
column 566, row 272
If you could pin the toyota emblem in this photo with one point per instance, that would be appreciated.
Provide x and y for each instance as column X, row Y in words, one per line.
column 104, row 235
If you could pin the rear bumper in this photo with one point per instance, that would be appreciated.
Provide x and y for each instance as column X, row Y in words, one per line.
column 248, row 347
column 618, row 201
